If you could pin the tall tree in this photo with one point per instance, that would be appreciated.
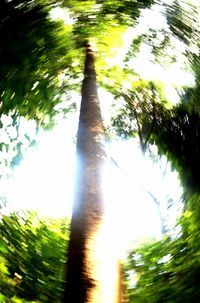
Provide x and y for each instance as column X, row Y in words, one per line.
column 83, row 283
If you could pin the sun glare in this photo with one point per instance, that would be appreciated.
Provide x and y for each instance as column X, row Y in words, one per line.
column 62, row 14
column 45, row 182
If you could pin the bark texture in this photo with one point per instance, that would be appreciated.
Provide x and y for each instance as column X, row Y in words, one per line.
column 88, row 209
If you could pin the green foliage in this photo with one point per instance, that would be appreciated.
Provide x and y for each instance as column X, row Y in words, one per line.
column 125, row 11
column 30, row 47
column 139, row 109
column 134, row 49
column 175, row 131
column 167, row 270
column 32, row 253
column 177, row 135
column 162, row 48
column 93, row 19
column 36, row 55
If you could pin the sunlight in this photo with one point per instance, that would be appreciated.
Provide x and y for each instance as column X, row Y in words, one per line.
column 45, row 182
column 62, row 14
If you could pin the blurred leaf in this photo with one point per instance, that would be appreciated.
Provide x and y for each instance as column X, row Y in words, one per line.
column 33, row 256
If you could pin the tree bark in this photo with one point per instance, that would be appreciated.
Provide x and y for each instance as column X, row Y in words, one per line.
column 88, row 209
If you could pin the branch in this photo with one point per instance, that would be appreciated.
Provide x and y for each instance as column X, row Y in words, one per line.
column 155, row 200
column 136, row 182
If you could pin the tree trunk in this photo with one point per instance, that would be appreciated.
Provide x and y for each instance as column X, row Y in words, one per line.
column 83, row 262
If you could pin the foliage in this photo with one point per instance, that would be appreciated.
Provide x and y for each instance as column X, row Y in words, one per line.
column 30, row 46
column 32, row 253
column 35, row 54
column 177, row 134
column 174, row 130
column 167, row 270
column 94, row 19
column 138, row 112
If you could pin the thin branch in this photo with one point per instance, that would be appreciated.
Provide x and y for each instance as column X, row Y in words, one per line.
column 155, row 200
column 136, row 182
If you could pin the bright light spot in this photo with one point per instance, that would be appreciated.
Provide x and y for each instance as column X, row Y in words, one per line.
column 171, row 94
column 62, row 14
column 174, row 74
column 151, row 18
column 35, row 85
column 165, row 259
